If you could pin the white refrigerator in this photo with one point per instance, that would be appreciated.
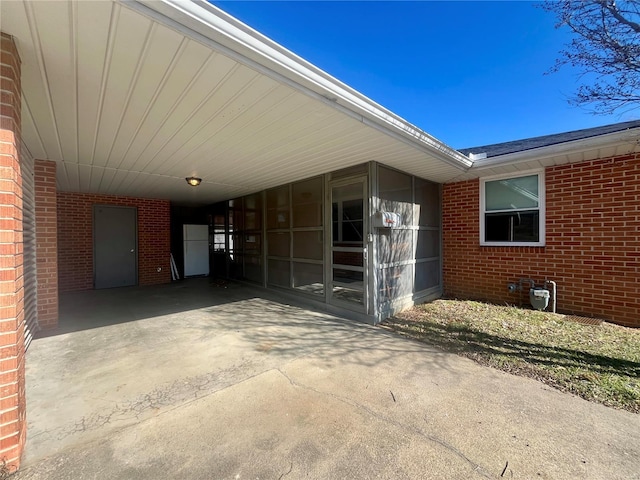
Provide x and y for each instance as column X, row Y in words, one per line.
column 196, row 250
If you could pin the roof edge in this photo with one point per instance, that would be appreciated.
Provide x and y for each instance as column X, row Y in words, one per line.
column 210, row 25
column 565, row 148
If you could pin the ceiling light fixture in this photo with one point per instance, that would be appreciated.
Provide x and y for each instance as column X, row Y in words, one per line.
column 193, row 181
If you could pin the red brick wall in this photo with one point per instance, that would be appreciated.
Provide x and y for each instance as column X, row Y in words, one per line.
column 12, row 326
column 592, row 242
column 75, row 239
column 46, row 243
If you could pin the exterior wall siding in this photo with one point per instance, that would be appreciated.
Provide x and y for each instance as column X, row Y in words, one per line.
column 12, row 320
column 75, row 239
column 592, row 245
column 46, row 243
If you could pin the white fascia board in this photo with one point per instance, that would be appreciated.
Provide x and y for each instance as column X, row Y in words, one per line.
column 211, row 26
column 566, row 148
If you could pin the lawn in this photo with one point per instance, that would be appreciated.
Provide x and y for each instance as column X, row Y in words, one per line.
column 598, row 363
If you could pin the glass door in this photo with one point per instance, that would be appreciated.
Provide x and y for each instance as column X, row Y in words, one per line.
column 349, row 222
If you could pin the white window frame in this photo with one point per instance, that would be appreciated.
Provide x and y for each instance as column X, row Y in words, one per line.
column 541, row 208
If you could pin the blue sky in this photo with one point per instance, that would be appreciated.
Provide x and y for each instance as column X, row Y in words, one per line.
column 469, row 73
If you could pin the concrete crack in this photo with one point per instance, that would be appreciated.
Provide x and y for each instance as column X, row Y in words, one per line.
column 286, row 473
column 164, row 398
column 476, row 467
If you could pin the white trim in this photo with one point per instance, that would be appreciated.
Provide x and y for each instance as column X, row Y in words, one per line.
column 541, row 208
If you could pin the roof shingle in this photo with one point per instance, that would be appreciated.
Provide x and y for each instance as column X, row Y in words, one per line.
column 506, row 148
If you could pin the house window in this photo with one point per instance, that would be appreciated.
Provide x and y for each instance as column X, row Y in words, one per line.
column 512, row 210
column 219, row 234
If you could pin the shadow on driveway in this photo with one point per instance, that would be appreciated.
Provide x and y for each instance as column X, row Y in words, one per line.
column 122, row 355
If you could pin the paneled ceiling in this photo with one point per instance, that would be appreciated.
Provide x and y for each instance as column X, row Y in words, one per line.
column 130, row 101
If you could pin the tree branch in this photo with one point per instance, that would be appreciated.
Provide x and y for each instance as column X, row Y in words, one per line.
column 613, row 10
column 606, row 49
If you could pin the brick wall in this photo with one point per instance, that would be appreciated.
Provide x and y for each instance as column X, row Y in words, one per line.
column 12, row 326
column 75, row 238
column 46, row 243
column 592, row 242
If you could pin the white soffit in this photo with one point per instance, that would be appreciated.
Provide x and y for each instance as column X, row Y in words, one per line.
column 129, row 98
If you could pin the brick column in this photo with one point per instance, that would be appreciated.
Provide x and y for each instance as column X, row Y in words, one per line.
column 46, row 243
column 12, row 385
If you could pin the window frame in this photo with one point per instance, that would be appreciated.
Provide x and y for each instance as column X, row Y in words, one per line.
column 541, row 208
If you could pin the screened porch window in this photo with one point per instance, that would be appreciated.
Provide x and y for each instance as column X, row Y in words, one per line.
column 348, row 221
column 512, row 210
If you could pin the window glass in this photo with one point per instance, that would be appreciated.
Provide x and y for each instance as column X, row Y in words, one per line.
column 219, row 234
column 428, row 244
column 253, row 243
column 394, row 186
column 395, row 282
column 395, row 245
column 308, row 245
column 347, row 214
column 427, row 275
column 348, row 221
column 253, row 268
column 235, row 242
column 307, row 203
column 348, row 286
column 253, row 212
column 235, row 214
column 278, row 207
column 308, row 277
column 427, row 203
column 514, row 210
column 278, row 273
column 511, row 193
column 512, row 227
column 219, row 242
column 353, row 259
column 278, row 244
column 395, row 193
column 352, row 220
column 236, row 266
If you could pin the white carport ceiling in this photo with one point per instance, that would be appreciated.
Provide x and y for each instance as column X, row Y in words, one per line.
column 129, row 98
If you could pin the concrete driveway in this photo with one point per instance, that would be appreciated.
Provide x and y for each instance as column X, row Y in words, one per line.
column 200, row 381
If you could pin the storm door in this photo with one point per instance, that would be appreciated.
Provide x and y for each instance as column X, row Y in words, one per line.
column 349, row 224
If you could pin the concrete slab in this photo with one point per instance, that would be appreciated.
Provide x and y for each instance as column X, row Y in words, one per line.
column 194, row 380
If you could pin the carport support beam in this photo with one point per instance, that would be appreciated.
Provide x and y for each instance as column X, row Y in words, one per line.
column 12, row 324
column 47, row 242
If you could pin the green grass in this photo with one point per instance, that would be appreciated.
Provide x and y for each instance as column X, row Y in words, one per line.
column 598, row 363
